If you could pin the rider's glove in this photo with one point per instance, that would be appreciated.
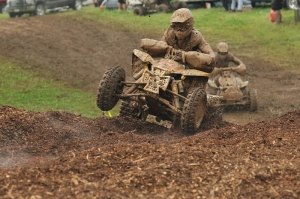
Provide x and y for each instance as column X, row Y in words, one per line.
column 176, row 55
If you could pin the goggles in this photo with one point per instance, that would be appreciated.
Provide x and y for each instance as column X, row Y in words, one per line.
column 223, row 53
column 182, row 27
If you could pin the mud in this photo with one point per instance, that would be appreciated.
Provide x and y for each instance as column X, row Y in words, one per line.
column 62, row 155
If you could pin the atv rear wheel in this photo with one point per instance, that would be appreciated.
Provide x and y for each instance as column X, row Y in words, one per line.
column 163, row 8
column 132, row 109
column 12, row 15
column 193, row 112
column 139, row 10
column 252, row 99
column 110, row 87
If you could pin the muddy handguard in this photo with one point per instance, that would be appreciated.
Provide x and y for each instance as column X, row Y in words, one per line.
column 199, row 61
column 241, row 69
column 154, row 47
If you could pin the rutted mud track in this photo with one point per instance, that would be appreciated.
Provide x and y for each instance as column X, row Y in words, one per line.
column 61, row 155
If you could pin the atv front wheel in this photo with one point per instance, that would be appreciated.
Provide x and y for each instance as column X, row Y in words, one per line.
column 252, row 99
column 110, row 87
column 193, row 112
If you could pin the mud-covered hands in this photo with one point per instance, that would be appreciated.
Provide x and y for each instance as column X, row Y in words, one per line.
column 176, row 54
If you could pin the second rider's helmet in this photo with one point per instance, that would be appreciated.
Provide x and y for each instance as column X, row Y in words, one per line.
column 182, row 23
column 222, row 47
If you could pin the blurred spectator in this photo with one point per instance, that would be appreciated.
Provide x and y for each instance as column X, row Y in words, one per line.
column 122, row 5
column 103, row 4
column 237, row 5
column 226, row 4
column 277, row 6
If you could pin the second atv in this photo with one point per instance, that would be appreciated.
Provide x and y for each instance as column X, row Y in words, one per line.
column 230, row 86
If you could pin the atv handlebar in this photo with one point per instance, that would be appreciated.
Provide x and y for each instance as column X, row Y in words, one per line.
column 194, row 59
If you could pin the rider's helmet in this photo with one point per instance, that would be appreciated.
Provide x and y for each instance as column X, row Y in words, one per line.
column 182, row 22
column 222, row 47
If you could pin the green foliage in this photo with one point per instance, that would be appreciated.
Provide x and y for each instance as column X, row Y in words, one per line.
column 22, row 89
column 4, row 16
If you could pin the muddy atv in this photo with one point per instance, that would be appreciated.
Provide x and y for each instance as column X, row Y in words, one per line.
column 160, row 87
column 152, row 6
column 233, row 90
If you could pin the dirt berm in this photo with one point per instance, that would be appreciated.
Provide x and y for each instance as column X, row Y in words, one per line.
column 60, row 155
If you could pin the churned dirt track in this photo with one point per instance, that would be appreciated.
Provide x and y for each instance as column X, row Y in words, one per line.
column 61, row 155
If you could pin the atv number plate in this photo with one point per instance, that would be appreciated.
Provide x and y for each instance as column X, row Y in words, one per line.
column 154, row 82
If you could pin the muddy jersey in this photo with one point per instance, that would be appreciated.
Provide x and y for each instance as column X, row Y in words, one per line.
column 223, row 61
column 195, row 42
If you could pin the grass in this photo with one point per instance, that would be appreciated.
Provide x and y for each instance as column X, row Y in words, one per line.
column 22, row 89
column 4, row 16
column 248, row 32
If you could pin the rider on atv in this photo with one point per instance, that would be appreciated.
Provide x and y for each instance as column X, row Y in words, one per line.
column 224, row 58
column 182, row 43
column 230, row 83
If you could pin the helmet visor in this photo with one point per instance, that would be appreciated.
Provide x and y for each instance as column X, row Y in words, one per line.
column 182, row 27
